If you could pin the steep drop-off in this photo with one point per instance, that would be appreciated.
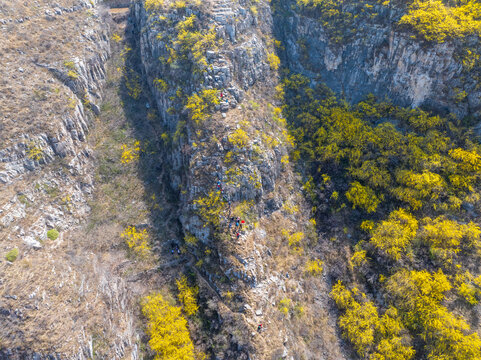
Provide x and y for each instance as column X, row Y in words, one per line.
column 213, row 70
column 376, row 55
column 208, row 158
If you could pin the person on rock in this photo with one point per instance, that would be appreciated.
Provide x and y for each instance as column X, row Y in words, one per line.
column 259, row 328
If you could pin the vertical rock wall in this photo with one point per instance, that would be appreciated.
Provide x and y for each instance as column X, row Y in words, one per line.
column 381, row 59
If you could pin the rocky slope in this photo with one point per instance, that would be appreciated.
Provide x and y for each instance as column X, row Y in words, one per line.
column 243, row 147
column 215, row 146
column 56, row 293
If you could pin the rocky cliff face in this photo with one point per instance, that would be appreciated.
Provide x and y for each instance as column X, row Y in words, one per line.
column 243, row 147
column 52, row 81
column 380, row 58
column 236, row 142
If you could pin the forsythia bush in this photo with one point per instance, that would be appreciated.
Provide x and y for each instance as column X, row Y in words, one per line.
column 153, row 4
column 167, row 328
column 190, row 43
column 468, row 160
column 447, row 237
column 418, row 295
column 273, row 61
column 420, row 164
column 380, row 337
column 136, row 240
column 130, row 153
column 133, row 84
column 392, row 236
column 426, row 186
column 436, row 21
column 314, row 267
column 199, row 105
column 187, row 296
column 358, row 258
column 294, row 239
column 34, row 151
column 239, row 138
column 285, row 306
column 161, row 85
column 363, row 197
column 210, row 207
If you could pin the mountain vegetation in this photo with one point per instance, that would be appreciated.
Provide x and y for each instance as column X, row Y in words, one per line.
column 408, row 178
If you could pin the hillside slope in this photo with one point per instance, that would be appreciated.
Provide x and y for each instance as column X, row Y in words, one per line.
column 240, row 179
column 213, row 70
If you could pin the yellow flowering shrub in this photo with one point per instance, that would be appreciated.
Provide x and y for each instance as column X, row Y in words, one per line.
column 435, row 21
column 210, row 207
column 314, row 267
column 136, row 240
column 273, row 61
column 199, row 105
column 239, row 138
column 285, row 306
column 447, row 237
column 167, row 329
column 161, row 85
column 394, row 235
column 294, row 239
column 290, row 208
column 34, row 151
column 190, row 239
column 468, row 160
column 418, row 296
column 372, row 336
column 151, row 5
column 358, row 258
column 133, row 84
column 187, row 296
column 130, row 153
column 363, row 197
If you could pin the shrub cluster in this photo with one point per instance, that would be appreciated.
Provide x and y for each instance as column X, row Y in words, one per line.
column 408, row 172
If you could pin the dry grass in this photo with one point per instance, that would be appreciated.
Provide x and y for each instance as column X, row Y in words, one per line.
column 77, row 288
column 32, row 101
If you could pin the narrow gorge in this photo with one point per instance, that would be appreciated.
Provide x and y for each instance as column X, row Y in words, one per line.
column 240, row 179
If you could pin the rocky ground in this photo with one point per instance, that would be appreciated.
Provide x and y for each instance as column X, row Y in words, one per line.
column 76, row 295
column 80, row 84
column 254, row 275
column 68, row 293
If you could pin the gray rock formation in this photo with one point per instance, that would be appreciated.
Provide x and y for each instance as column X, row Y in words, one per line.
column 381, row 59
